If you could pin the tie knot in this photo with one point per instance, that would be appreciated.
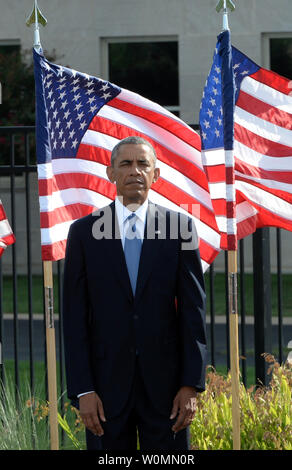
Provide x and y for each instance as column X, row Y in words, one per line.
column 132, row 221
column 131, row 216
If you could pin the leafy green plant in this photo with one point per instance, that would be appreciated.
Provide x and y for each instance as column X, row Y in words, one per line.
column 266, row 413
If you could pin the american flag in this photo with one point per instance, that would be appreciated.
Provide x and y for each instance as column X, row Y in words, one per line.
column 262, row 144
column 6, row 235
column 80, row 118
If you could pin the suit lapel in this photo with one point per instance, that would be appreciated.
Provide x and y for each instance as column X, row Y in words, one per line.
column 150, row 249
column 117, row 257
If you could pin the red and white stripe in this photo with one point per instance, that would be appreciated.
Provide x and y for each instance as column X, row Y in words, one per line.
column 262, row 160
column 219, row 168
column 263, row 149
column 72, row 188
column 6, row 235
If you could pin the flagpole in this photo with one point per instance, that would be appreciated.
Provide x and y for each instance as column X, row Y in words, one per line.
column 234, row 350
column 35, row 19
column 51, row 355
column 232, row 299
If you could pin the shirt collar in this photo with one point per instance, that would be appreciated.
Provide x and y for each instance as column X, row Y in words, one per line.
column 123, row 212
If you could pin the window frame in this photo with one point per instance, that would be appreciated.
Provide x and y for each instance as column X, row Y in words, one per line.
column 266, row 45
column 104, row 55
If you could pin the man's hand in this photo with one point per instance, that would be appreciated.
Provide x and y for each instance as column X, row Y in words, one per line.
column 185, row 403
column 91, row 412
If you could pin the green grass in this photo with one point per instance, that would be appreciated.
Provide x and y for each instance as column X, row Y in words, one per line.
column 22, row 294
column 219, row 294
column 39, row 375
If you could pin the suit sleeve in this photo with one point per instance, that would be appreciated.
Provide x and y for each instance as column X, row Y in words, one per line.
column 191, row 301
column 76, row 317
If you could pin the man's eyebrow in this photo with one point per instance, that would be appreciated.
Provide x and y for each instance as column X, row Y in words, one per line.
column 127, row 160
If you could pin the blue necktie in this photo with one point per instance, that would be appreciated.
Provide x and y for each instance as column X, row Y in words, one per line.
column 132, row 250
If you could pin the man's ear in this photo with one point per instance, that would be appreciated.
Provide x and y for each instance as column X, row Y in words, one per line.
column 156, row 175
column 110, row 174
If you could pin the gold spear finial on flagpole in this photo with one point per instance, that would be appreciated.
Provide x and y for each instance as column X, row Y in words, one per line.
column 36, row 17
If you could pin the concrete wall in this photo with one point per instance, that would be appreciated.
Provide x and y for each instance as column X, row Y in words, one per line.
column 77, row 30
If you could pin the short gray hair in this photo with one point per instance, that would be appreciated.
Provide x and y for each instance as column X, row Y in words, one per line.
column 134, row 140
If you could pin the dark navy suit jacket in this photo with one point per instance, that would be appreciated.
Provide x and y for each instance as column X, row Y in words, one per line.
column 105, row 326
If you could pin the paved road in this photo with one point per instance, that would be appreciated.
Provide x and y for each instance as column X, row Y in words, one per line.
column 220, row 339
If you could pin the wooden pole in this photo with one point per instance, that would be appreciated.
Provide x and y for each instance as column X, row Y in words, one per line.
column 35, row 18
column 234, row 353
column 51, row 355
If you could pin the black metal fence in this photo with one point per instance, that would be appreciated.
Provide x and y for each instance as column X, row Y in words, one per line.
column 22, row 334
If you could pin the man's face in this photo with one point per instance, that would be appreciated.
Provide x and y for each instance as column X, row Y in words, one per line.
column 133, row 172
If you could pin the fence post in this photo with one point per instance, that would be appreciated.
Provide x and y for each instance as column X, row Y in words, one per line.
column 242, row 311
column 280, row 294
column 262, row 302
column 1, row 327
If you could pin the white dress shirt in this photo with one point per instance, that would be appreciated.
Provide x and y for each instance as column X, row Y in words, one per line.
column 123, row 213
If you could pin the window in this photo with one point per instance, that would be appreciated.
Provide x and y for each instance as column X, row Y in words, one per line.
column 281, row 56
column 10, row 64
column 277, row 53
column 149, row 68
column 9, row 48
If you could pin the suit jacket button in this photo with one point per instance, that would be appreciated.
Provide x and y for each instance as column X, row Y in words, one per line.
column 135, row 317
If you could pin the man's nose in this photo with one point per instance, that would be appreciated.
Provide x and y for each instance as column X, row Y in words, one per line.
column 135, row 170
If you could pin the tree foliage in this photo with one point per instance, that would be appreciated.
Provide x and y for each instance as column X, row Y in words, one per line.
column 17, row 81
column 18, row 97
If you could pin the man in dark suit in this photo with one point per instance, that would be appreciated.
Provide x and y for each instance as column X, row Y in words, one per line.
column 134, row 314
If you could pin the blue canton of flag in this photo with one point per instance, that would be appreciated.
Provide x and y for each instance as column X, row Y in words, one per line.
column 67, row 101
column 211, row 112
